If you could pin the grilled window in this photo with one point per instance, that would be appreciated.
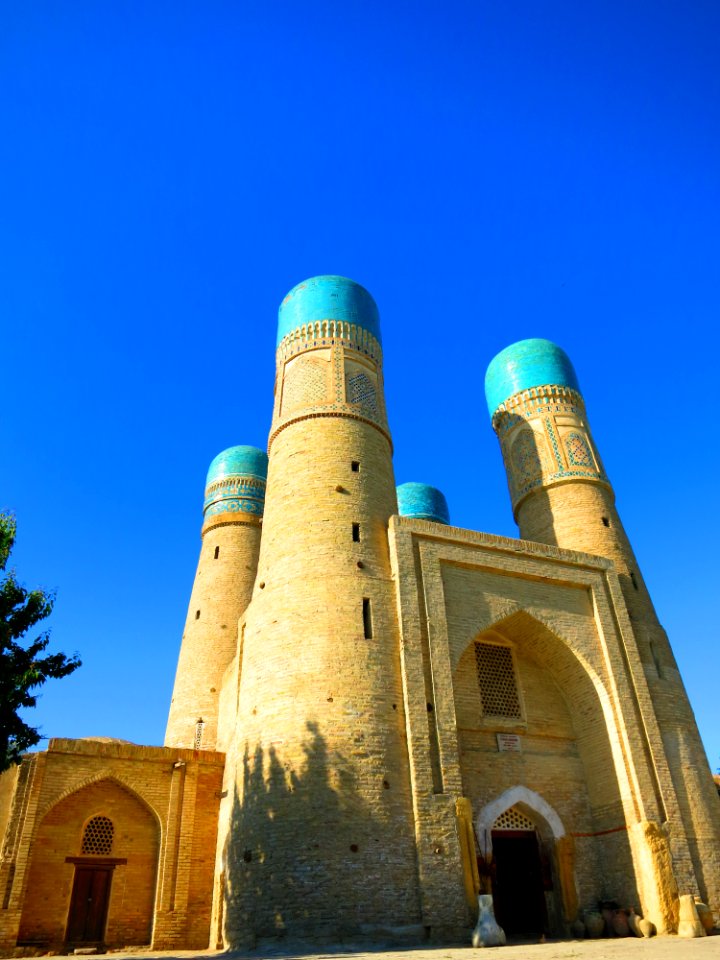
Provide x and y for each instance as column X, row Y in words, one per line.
column 98, row 836
column 496, row 680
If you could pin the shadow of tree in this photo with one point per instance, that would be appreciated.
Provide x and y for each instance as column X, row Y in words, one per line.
column 306, row 858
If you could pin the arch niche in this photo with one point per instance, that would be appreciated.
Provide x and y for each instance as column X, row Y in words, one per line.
column 122, row 870
column 565, row 777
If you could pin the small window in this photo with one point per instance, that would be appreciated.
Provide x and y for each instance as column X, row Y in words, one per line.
column 496, row 680
column 634, row 581
column 197, row 614
column 98, row 836
column 355, row 466
column 217, row 552
column 606, row 521
column 356, row 532
column 367, row 618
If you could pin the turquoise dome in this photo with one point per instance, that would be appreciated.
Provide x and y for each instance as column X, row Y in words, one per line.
column 526, row 364
column 328, row 298
column 236, row 482
column 244, row 461
column 422, row 502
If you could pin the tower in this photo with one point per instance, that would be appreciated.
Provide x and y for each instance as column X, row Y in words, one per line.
column 561, row 495
column 234, row 497
column 321, row 839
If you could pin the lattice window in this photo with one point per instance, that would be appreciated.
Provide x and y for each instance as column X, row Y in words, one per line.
column 98, row 836
column 513, row 819
column 360, row 389
column 496, row 679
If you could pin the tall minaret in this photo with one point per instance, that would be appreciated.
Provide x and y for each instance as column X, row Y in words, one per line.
column 561, row 495
column 322, row 837
column 234, row 497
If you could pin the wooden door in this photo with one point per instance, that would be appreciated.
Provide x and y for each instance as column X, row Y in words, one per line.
column 89, row 904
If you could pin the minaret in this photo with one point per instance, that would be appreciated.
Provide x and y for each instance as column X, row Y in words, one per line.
column 234, row 497
column 322, row 838
column 562, row 496
column 420, row 501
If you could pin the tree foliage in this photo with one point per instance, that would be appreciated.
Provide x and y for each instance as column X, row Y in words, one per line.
column 22, row 666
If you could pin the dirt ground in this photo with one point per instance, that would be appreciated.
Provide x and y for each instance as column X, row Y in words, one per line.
column 630, row 948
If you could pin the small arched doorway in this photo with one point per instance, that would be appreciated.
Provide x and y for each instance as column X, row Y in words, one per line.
column 520, row 875
column 519, row 836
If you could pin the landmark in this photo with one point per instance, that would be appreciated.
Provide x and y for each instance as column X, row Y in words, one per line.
column 377, row 715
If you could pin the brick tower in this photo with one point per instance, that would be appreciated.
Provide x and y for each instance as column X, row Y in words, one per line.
column 234, row 497
column 561, row 496
column 321, row 839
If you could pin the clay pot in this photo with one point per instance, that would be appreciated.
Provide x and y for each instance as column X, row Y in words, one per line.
column 594, row 924
column 647, row 927
column 689, row 924
column 634, row 923
column 577, row 928
column 620, row 924
column 705, row 914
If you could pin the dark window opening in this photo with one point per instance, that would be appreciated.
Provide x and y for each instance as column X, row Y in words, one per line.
column 634, row 581
column 606, row 522
column 217, row 552
column 356, row 532
column 367, row 618
column 355, row 465
column 197, row 614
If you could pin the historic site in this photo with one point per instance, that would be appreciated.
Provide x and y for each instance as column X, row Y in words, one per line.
column 378, row 717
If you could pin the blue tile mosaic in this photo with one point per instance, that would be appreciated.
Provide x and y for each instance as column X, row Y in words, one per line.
column 238, row 461
column 328, row 298
column 524, row 365
column 236, row 482
column 422, row 502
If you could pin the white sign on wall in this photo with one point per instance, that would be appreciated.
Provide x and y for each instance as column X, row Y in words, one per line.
column 508, row 742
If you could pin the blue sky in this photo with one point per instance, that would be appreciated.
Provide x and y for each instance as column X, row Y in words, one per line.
column 489, row 171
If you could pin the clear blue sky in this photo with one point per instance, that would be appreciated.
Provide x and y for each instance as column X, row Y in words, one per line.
column 489, row 171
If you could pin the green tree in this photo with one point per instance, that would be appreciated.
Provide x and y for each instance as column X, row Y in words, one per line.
column 22, row 668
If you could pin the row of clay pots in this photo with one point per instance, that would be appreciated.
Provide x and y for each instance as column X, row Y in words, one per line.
column 616, row 922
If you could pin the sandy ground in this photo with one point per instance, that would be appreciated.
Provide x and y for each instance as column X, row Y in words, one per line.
column 630, row 948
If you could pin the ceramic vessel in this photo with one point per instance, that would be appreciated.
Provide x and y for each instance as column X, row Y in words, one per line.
column 705, row 914
column 594, row 924
column 689, row 925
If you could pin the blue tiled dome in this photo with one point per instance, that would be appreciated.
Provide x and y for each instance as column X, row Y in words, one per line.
column 236, row 482
column 239, row 461
column 526, row 364
column 328, row 298
column 423, row 502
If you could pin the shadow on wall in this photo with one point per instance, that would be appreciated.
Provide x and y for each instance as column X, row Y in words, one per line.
column 305, row 857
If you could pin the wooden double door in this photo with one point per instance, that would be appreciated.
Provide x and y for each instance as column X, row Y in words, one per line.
column 89, row 903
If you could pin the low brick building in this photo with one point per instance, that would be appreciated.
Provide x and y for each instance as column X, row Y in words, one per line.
column 377, row 715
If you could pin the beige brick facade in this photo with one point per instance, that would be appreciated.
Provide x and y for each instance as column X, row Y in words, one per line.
column 384, row 705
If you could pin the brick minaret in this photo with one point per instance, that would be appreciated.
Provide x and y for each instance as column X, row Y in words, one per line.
column 561, row 495
column 322, row 836
column 234, row 497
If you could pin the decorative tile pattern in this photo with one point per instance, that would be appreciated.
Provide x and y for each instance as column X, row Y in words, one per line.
column 526, row 462
column 305, row 383
column 361, row 390
column 578, row 451
column 235, row 495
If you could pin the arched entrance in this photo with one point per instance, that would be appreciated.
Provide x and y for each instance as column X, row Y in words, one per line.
column 93, row 871
column 518, row 834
